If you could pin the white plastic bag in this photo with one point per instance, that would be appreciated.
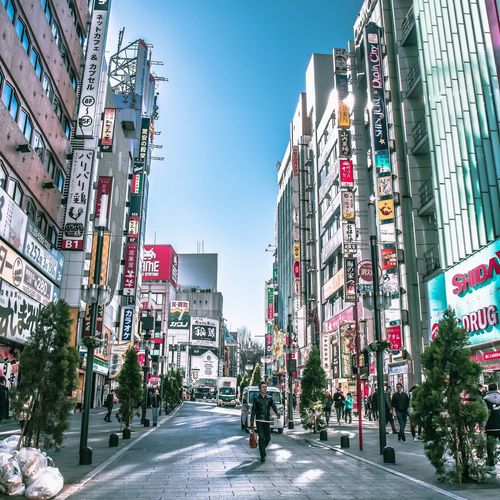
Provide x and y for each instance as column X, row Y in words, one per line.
column 9, row 443
column 46, row 484
column 31, row 461
column 11, row 479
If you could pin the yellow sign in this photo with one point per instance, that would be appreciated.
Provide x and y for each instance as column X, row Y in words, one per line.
column 296, row 251
column 105, row 257
column 386, row 209
column 344, row 116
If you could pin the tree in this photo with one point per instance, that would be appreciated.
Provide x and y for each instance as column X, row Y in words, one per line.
column 256, row 376
column 245, row 382
column 449, row 406
column 48, row 366
column 313, row 381
column 250, row 351
column 129, row 389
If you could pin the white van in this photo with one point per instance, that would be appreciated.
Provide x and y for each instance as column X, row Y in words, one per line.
column 247, row 399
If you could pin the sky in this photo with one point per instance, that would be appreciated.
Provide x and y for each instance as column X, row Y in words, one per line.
column 235, row 69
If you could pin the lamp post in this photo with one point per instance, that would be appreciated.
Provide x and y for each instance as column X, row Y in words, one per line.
column 93, row 294
column 290, row 350
column 146, row 344
column 377, row 324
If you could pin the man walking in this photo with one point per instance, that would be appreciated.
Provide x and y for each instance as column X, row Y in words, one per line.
column 110, row 400
column 155, row 405
column 261, row 413
column 492, row 427
column 4, row 399
column 389, row 418
column 338, row 401
column 400, row 403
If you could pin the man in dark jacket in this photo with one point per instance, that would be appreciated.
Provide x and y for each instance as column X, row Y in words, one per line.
column 261, row 413
column 155, row 406
column 110, row 400
column 338, row 401
column 400, row 404
column 4, row 399
column 492, row 427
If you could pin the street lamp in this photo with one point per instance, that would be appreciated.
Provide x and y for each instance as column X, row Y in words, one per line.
column 93, row 294
column 372, row 227
column 146, row 345
column 290, row 349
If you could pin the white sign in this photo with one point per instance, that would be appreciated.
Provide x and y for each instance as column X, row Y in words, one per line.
column 18, row 314
column 78, row 197
column 12, row 222
column 96, row 43
column 16, row 271
column 204, row 332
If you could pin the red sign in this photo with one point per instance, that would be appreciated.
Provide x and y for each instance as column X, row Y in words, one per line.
column 393, row 335
column 270, row 311
column 476, row 276
column 389, row 257
column 346, row 173
column 108, row 128
column 295, row 160
column 104, row 187
column 333, row 323
column 160, row 264
column 130, row 275
column 365, row 271
column 296, row 269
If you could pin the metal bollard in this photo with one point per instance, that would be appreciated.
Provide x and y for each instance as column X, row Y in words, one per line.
column 126, row 433
column 323, row 435
column 344, row 441
column 389, row 455
column 86, row 455
column 113, row 440
column 146, row 422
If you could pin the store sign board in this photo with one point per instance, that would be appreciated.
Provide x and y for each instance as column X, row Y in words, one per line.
column 204, row 331
column 104, row 190
column 347, row 202
column 350, row 279
column 295, row 160
column 88, row 110
column 349, row 237
column 340, row 60
column 344, row 115
column 178, row 316
column 78, row 195
column 346, row 174
column 332, row 324
column 127, row 323
column 344, row 143
column 130, row 273
column 108, row 130
column 393, row 335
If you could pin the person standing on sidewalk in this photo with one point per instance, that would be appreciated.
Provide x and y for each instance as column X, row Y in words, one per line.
column 261, row 414
column 328, row 407
column 338, row 401
column 415, row 429
column 349, row 401
column 4, row 399
column 155, row 406
column 110, row 401
column 400, row 404
column 492, row 427
column 389, row 418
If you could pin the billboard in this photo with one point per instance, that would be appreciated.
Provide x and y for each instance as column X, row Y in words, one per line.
column 178, row 316
column 87, row 112
column 160, row 263
column 204, row 331
column 472, row 289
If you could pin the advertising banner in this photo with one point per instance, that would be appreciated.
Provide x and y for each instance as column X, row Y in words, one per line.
column 347, row 203
column 296, row 251
column 349, row 237
column 346, row 174
column 347, row 334
column 350, row 279
column 16, row 271
column 342, row 85
column 40, row 253
column 104, row 189
column 159, row 263
column 140, row 161
column 296, row 269
column 87, row 112
column 386, row 210
column 204, row 331
column 103, row 272
column 108, row 130
column 389, row 257
column 344, row 143
column 12, row 222
column 270, row 303
column 127, row 323
column 295, row 160
column 393, row 335
column 335, row 360
column 130, row 273
column 384, row 185
column 137, row 184
column 340, row 60
column 178, row 316
column 78, row 195
column 344, row 115
column 18, row 314
column 205, row 366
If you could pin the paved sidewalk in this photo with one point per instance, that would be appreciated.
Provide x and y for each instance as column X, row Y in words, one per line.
column 410, row 457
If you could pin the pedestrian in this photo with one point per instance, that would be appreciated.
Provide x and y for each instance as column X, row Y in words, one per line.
column 4, row 399
column 389, row 418
column 349, row 401
column 415, row 429
column 374, row 404
column 327, row 408
column 261, row 415
column 294, row 401
column 338, row 401
column 110, row 400
column 492, row 427
column 400, row 403
column 155, row 405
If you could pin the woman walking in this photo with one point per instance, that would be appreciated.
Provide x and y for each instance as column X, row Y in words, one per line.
column 349, row 401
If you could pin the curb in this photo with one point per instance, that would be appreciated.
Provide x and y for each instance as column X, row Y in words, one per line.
column 75, row 487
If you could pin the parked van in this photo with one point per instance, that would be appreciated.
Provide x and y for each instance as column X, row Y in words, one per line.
column 247, row 399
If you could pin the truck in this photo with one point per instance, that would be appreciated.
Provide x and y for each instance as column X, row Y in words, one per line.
column 226, row 391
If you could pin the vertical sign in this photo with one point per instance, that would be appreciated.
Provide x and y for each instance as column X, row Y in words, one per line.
column 108, row 130
column 87, row 112
column 270, row 303
column 130, row 274
column 140, row 161
column 104, row 187
column 78, row 194
column 350, row 279
column 295, row 160
column 128, row 316
column 346, row 174
column 393, row 335
column 347, row 202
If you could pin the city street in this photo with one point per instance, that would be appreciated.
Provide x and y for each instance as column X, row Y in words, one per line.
column 202, row 452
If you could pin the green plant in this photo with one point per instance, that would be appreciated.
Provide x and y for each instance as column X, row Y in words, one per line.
column 313, row 381
column 313, row 416
column 256, row 375
column 449, row 406
column 129, row 390
column 48, row 365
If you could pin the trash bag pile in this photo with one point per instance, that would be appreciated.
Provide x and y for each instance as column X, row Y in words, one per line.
column 27, row 472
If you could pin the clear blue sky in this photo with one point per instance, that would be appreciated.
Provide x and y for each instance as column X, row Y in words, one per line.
column 235, row 70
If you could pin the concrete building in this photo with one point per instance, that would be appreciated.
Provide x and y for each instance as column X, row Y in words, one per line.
column 40, row 58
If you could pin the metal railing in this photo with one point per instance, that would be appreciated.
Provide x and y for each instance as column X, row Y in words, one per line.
column 426, row 193
column 408, row 23
column 431, row 260
column 419, row 132
column 413, row 77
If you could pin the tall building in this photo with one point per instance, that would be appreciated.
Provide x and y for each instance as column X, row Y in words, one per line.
column 41, row 53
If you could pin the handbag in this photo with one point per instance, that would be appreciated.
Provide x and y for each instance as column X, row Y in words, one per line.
column 252, row 440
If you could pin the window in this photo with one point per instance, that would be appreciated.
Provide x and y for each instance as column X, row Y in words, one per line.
column 56, row 106
column 15, row 192
column 56, row 33
column 41, row 222
column 66, row 127
column 31, row 210
column 10, row 100
column 39, row 145
column 46, row 10
column 53, row 235
column 22, row 33
column 50, row 164
column 25, row 124
column 9, row 7
column 3, row 175
column 47, row 86
column 74, row 80
column 1, row 79
column 35, row 62
column 59, row 180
